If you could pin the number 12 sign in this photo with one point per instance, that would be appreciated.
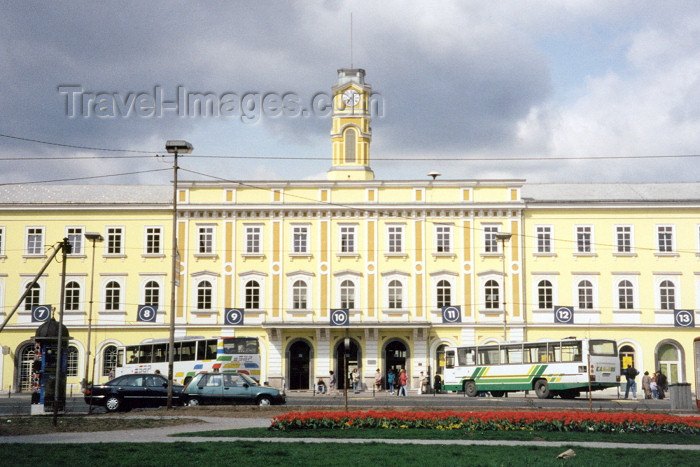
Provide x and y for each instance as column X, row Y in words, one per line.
column 564, row 314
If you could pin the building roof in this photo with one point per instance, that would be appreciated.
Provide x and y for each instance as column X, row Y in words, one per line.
column 619, row 192
column 86, row 194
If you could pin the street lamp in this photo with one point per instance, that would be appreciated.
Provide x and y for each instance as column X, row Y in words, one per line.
column 503, row 237
column 174, row 147
column 94, row 237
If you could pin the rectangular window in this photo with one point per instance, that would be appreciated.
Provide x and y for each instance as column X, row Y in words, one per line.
column 205, row 239
column 544, row 239
column 665, row 238
column 115, row 240
column 154, row 241
column 623, row 235
column 583, row 239
column 253, row 235
column 490, row 242
column 300, row 239
column 35, row 240
column 75, row 239
column 443, row 238
column 395, row 238
column 347, row 239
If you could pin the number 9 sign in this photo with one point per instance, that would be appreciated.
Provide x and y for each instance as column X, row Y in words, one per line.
column 233, row 316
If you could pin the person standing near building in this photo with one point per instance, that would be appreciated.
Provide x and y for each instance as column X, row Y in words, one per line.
column 355, row 380
column 403, row 381
column 661, row 381
column 378, row 380
column 331, row 382
column 631, row 373
column 646, row 385
column 437, row 385
column 390, row 381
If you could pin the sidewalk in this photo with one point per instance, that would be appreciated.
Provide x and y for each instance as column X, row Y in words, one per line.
column 163, row 435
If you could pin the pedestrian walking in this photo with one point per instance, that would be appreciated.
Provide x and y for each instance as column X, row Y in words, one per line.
column 378, row 380
column 403, row 381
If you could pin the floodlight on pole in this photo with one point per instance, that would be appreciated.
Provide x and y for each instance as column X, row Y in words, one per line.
column 174, row 147
column 94, row 237
column 503, row 237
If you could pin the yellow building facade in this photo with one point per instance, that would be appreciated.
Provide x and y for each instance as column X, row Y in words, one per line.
column 393, row 253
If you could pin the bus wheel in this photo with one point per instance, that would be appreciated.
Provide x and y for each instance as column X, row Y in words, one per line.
column 470, row 388
column 542, row 389
column 498, row 393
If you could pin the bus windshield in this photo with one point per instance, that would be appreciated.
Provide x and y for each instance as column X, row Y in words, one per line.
column 603, row 348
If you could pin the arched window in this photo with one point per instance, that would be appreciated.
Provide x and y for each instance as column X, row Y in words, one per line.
column 299, row 292
column 252, row 295
column 395, row 294
column 669, row 358
column 585, row 295
column 33, row 298
column 544, row 295
column 204, row 295
column 492, row 291
column 444, row 293
column 347, row 294
column 26, row 362
column 72, row 298
column 109, row 360
column 625, row 295
column 112, row 296
column 350, row 139
column 151, row 294
column 72, row 361
column 667, row 294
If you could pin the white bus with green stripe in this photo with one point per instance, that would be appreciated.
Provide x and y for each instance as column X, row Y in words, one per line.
column 562, row 368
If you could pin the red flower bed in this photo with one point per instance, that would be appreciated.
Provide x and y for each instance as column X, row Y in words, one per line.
column 605, row 422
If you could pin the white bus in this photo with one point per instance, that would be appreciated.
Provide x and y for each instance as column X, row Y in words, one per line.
column 553, row 368
column 192, row 355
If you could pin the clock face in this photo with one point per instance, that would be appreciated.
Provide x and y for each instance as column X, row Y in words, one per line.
column 351, row 98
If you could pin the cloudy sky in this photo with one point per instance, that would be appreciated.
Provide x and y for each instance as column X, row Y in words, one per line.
column 471, row 89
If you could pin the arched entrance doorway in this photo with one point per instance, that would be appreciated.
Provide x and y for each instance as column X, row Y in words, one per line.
column 24, row 367
column 669, row 357
column 440, row 360
column 299, row 371
column 627, row 357
column 396, row 356
column 354, row 360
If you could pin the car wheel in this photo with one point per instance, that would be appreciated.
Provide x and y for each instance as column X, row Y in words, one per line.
column 470, row 388
column 113, row 404
column 542, row 389
column 264, row 401
column 193, row 402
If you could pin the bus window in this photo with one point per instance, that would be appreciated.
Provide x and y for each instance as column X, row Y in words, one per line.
column 536, row 353
column 450, row 359
column 554, row 351
column 145, row 353
column 160, row 353
column 571, row 351
column 187, row 351
column 600, row 347
column 466, row 356
column 251, row 346
column 120, row 357
column 206, row 350
column 132, row 354
column 488, row 356
column 514, row 354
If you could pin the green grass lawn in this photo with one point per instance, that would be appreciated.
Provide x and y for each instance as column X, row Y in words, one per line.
column 257, row 453
column 376, row 433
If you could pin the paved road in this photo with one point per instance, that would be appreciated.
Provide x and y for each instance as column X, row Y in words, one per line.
column 603, row 400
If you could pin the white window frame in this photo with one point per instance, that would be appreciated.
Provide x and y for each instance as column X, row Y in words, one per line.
column 253, row 234
column 150, row 231
column 355, row 279
column 197, row 279
column 121, row 281
column 26, row 280
column 675, row 280
column 593, row 279
column 243, row 280
column 451, row 279
column 403, row 280
column 668, row 229
column 206, row 233
column 483, row 280
column 292, row 279
column 352, row 231
column 302, row 230
column 536, row 279
column 36, row 251
column 158, row 279
column 616, row 293
column 122, row 239
column 442, row 233
column 617, row 233
column 72, row 231
column 591, row 239
column 81, row 294
column 395, row 233
column 488, row 236
column 546, row 233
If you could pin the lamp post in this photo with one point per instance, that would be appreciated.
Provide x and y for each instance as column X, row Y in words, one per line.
column 503, row 237
column 94, row 237
column 174, row 147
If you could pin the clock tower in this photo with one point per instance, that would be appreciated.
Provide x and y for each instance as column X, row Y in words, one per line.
column 351, row 133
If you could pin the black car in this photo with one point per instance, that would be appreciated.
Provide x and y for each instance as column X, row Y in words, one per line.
column 129, row 391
